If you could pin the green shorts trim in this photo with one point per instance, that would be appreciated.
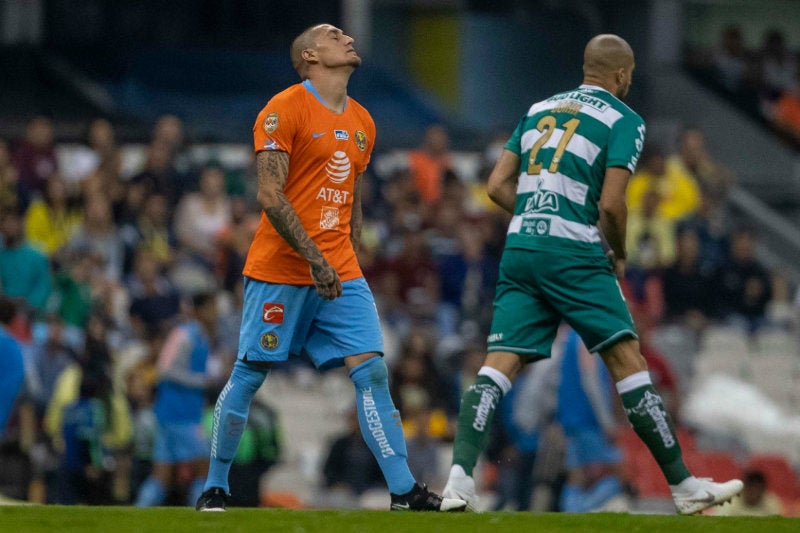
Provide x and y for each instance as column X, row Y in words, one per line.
column 538, row 289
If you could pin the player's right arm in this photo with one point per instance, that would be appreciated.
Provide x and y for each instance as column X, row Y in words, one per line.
column 502, row 185
column 273, row 169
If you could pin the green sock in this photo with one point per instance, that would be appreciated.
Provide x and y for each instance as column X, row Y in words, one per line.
column 475, row 421
column 654, row 426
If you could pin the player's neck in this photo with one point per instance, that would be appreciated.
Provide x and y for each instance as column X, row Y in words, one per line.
column 598, row 82
column 332, row 88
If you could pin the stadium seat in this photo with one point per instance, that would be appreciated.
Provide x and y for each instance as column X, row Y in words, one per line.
column 781, row 478
column 719, row 465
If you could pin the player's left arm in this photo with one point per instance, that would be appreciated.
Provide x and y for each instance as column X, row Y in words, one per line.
column 502, row 185
column 356, row 217
column 614, row 214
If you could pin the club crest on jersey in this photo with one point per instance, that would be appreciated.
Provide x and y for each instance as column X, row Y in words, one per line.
column 341, row 135
column 329, row 218
column 272, row 313
column 361, row 140
column 271, row 122
column 269, row 341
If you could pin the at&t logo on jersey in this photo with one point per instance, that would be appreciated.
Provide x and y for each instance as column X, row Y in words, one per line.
column 338, row 168
column 273, row 313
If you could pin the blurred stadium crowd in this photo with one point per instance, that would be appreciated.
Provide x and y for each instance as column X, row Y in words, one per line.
column 100, row 259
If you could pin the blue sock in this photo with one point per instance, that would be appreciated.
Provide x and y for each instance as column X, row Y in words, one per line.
column 230, row 417
column 194, row 492
column 380, row 424
column 151, row 493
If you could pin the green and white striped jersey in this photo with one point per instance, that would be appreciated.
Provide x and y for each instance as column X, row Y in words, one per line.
column 565, row 144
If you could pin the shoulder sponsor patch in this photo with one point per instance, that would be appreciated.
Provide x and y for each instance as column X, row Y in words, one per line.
column 271, row 122
column 361, row 140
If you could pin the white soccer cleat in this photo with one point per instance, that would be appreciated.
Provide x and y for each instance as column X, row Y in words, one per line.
column 694, row 495
column 460, row 486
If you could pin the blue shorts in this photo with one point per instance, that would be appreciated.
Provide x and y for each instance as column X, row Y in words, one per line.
column 278, row 320
column 179, row 443
column 590, row 446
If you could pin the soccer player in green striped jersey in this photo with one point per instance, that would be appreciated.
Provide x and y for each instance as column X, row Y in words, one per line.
column 563, row 176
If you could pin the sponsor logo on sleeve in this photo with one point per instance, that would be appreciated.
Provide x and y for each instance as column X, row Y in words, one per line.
column 273, row 313
column 271, row 122
column 361, row 140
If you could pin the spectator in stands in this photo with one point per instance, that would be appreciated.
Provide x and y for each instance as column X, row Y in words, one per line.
column 732, row 61
column 158, row 176
column 72, row 297
column 9, row 179
column 155, row 303
column 677, row 188
column 234, row 242
column 83, row 475
column 688, row 290
column 35, row 158
column 417, row 276
column 349, row 469
column 429, row 162
column 694, row 160
column 150, row 232
column 12, row 369
column 93, row 363
column 756, row 499
column 743, row 285
column 784, row 112
column 180, row 398
column 651, row 237
column 104, row 161
column 24, row 271
column 778, row 65
column 170, row 131
column 52, row 220
column 202, row 216
column 99, row 236
column 711, row 225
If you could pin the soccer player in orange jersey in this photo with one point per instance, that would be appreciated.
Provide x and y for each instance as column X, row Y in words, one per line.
column 304, row 290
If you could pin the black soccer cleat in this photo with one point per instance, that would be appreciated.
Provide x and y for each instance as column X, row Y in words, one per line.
column 420, row 498
column 212, row 500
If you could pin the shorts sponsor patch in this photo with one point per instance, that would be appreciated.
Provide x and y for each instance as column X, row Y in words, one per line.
column 272, row 313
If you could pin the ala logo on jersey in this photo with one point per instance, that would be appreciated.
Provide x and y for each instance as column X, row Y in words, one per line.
column 271, row 122
column 338, row 168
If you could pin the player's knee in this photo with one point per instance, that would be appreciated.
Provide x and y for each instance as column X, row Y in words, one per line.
column 373, row 371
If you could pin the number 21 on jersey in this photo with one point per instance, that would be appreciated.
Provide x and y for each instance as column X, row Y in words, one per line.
column 546, row 126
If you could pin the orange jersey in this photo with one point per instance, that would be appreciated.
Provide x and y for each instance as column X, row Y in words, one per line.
column 327, row 151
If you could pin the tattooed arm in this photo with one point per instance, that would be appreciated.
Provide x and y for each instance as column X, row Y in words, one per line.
column 356, row 217
column 273, row 168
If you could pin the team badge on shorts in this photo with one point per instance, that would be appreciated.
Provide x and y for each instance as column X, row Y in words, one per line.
column 361, row 140
column 271, row 122
column 269, row 341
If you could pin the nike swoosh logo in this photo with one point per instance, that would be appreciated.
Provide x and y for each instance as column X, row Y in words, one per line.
column 708, row 499
column 401, row 506
column 315, row 134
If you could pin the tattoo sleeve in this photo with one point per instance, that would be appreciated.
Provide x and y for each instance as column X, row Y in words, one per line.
column 356, row 216
column 273, row 169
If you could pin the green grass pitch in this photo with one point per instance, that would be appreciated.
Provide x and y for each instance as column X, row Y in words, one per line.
column 79, row 519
